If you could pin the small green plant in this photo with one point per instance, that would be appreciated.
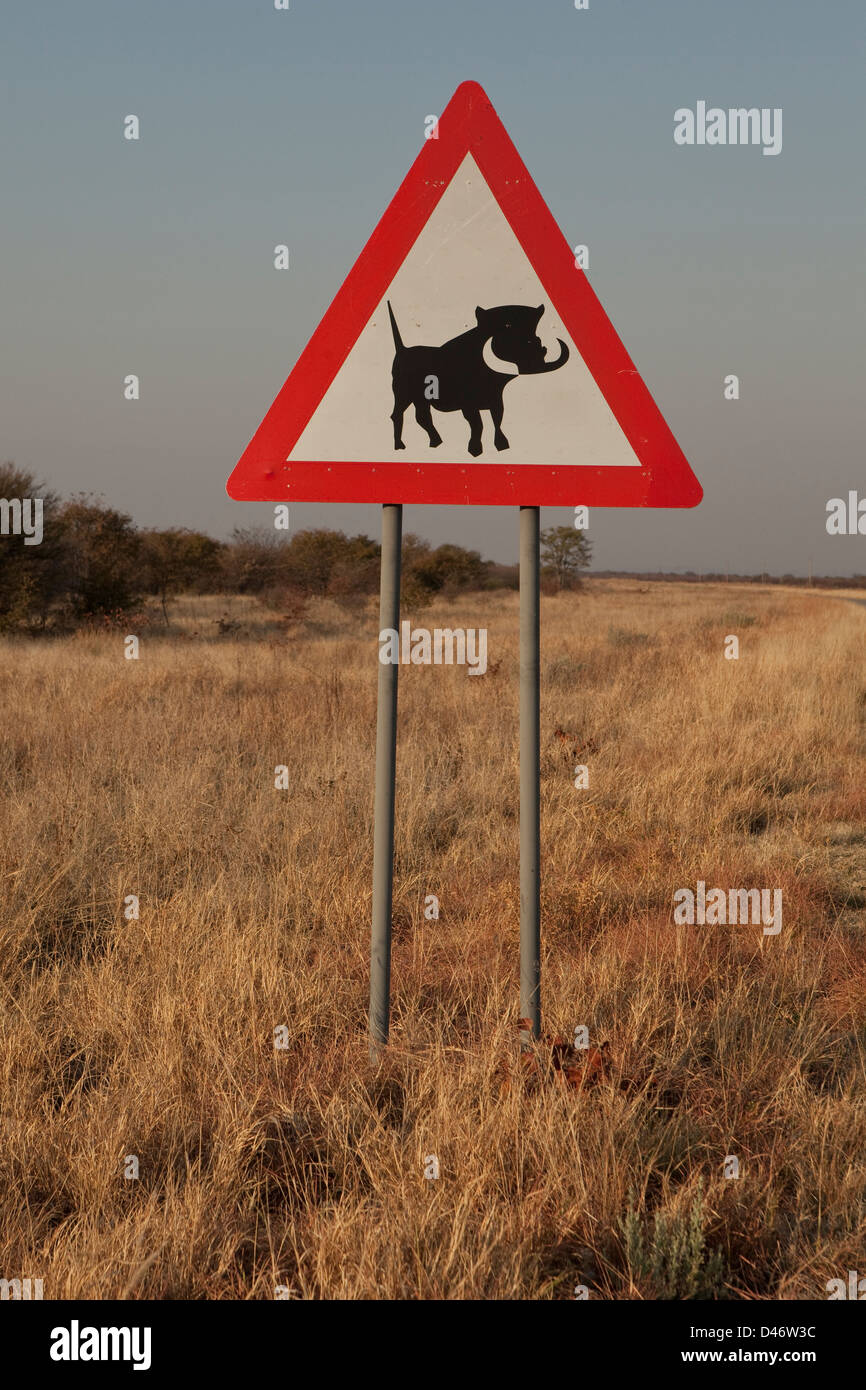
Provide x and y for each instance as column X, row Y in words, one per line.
column 671, row 1262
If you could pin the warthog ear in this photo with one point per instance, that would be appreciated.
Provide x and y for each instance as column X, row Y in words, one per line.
column 480, row 315
column 539, row 311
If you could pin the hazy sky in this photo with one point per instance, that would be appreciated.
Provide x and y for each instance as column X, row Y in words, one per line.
column 260, row 127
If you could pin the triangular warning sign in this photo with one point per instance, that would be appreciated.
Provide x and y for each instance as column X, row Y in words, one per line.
column 466, row 358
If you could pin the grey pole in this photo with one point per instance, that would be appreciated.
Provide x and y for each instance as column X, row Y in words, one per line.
column 383, row 809
column 530, row 754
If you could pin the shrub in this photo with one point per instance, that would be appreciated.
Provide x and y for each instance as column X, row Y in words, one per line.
column 31, row 576
column 670, row 1261
column 102, row 550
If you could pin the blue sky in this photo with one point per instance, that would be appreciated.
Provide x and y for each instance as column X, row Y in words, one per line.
column 259, row 127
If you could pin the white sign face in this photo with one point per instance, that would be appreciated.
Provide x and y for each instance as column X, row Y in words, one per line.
column 466, row 259
column 465, row 360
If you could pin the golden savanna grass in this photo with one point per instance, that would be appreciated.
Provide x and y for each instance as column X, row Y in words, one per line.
column 304, row 1168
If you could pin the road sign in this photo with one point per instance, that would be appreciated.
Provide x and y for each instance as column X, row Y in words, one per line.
column 466, row 358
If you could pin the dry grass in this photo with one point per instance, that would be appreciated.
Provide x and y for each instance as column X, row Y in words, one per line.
column 302, row 1168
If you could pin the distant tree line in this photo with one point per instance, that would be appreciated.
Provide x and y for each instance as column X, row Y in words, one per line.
column 94, row 563
column 817, row 581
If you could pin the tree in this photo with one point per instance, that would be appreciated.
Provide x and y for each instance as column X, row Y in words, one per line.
column 355, row 570
column 312, row 556
column 325, row 562
column 312, row 563
column 452, row 568
column 564, row 553
column 31, row 576
column 102, row 549
column 254, row 560
column 447, row 569
column 179, row 560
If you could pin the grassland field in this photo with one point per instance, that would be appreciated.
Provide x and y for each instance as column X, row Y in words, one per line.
column 302, row 1168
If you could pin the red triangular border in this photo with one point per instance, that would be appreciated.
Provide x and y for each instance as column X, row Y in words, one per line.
column 468, row 124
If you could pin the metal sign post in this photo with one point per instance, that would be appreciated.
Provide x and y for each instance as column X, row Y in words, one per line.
column 530, row 755
column 467, row 304
column 386, row 767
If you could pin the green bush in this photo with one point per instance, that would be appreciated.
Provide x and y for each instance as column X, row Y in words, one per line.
column 670, row 1261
